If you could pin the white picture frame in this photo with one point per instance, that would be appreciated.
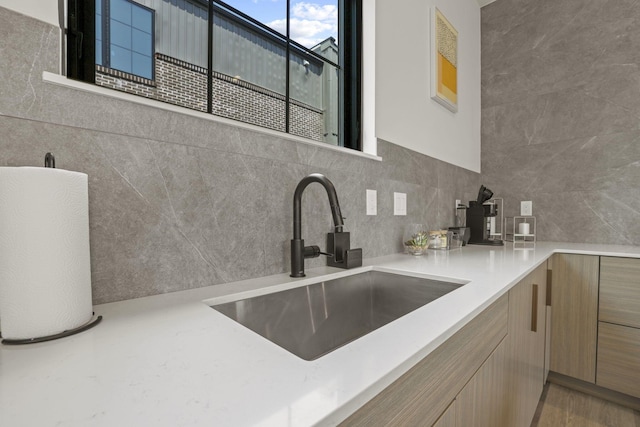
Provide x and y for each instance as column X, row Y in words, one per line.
column 444, row 61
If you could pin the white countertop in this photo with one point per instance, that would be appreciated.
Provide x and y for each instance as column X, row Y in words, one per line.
column 170, row 360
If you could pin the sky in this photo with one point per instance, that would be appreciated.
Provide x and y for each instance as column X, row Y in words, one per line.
column 311, row 21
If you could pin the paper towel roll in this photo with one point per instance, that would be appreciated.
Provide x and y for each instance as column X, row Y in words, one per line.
column 45, row 270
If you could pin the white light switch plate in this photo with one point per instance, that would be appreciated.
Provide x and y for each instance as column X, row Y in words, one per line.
column 372, row 202
column 400, row 204
column 526, row 208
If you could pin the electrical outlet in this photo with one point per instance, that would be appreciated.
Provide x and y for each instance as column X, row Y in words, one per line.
column 372, row 202
column 400, row 204
column 526, row 208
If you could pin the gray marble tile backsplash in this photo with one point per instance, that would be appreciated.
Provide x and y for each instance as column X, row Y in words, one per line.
column 561, row 115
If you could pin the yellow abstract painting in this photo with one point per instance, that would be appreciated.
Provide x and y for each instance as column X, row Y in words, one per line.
column 445, row 62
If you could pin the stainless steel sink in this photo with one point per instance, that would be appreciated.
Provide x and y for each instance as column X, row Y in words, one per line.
column 313, row 320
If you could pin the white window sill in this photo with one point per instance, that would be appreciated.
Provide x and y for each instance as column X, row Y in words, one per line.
column 60, row 80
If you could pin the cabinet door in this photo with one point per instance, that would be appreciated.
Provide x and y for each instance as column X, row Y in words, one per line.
column 424, row 392
column 527, row 329
column 619, row 358
column 448, row 419
column 574, row 315
column 620, row 291
column 485, row 400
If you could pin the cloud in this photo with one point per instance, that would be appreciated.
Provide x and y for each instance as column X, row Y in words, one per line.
column 311, row 23
column 326, row 13
column 301, row 28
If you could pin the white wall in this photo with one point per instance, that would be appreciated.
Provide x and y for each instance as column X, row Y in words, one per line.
column 369, row 142
column 405, row 113
column 483, row 3
column 43, row 10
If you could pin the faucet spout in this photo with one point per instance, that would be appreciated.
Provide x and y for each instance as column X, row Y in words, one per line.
column 297, row 244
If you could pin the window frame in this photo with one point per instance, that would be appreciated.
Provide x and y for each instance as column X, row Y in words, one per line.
column 106, row 37
column 81, row 63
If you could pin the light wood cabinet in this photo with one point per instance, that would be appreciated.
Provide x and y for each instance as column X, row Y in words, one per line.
column 486, row 400
column 620, row 291
column 619, row 358
column 490, row 373
column 448, row 419
column 574, row 315
column 421, row 395
column 526, row 352
column 619, row 328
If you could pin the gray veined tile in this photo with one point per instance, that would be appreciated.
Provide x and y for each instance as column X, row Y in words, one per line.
column 536, row 72
column 322, row 158
column 581, row 164
column 598, row 163
column 618, row 209
column 28, row 48
column 513, row 27
column 189, row 199
column 271, row 147
column 559, row 116
column 608, row 12
column 554, row 49
column 138, row 253
column 587, row 217
column 136, row 250
column 616, row 83
column 135, row 162
column 402, row 164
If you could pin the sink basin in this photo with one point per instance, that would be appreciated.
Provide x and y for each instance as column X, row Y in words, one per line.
column 311, row 321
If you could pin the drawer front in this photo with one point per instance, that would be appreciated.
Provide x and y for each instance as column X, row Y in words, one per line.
column 619, row 358
column 620, row 291
column 422, row 394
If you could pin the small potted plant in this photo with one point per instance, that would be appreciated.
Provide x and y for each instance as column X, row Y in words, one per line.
column 416, row 239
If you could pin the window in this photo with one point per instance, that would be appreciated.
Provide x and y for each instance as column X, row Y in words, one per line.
column 288, row 65
column 124, row 37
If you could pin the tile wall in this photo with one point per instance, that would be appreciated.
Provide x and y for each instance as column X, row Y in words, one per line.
column 179, row 202
column 561, row 115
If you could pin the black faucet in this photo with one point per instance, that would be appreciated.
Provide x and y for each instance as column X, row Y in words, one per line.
column 339, row 241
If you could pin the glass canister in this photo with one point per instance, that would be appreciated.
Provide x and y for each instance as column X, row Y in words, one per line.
column 439, row 239
column 461, row 216
column 416, row 239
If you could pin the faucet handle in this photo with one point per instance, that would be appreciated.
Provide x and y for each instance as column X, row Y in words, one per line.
column 344, row 256
column 353, row 258
column 314, row 251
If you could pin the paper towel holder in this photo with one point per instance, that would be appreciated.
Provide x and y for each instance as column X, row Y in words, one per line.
column 26, row 320
column 82, row 328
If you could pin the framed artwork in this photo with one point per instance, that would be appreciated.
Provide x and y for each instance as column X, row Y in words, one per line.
column 444, row 61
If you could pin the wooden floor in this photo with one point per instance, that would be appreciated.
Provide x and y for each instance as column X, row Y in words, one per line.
column 562, row 407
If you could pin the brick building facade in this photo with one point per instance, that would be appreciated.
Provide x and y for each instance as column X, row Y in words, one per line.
column 181, row 83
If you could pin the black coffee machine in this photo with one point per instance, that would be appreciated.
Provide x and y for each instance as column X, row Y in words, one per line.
column 477, row 216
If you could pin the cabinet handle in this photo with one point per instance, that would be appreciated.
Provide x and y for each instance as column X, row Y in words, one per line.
column 549, row 275
column 534, row 308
